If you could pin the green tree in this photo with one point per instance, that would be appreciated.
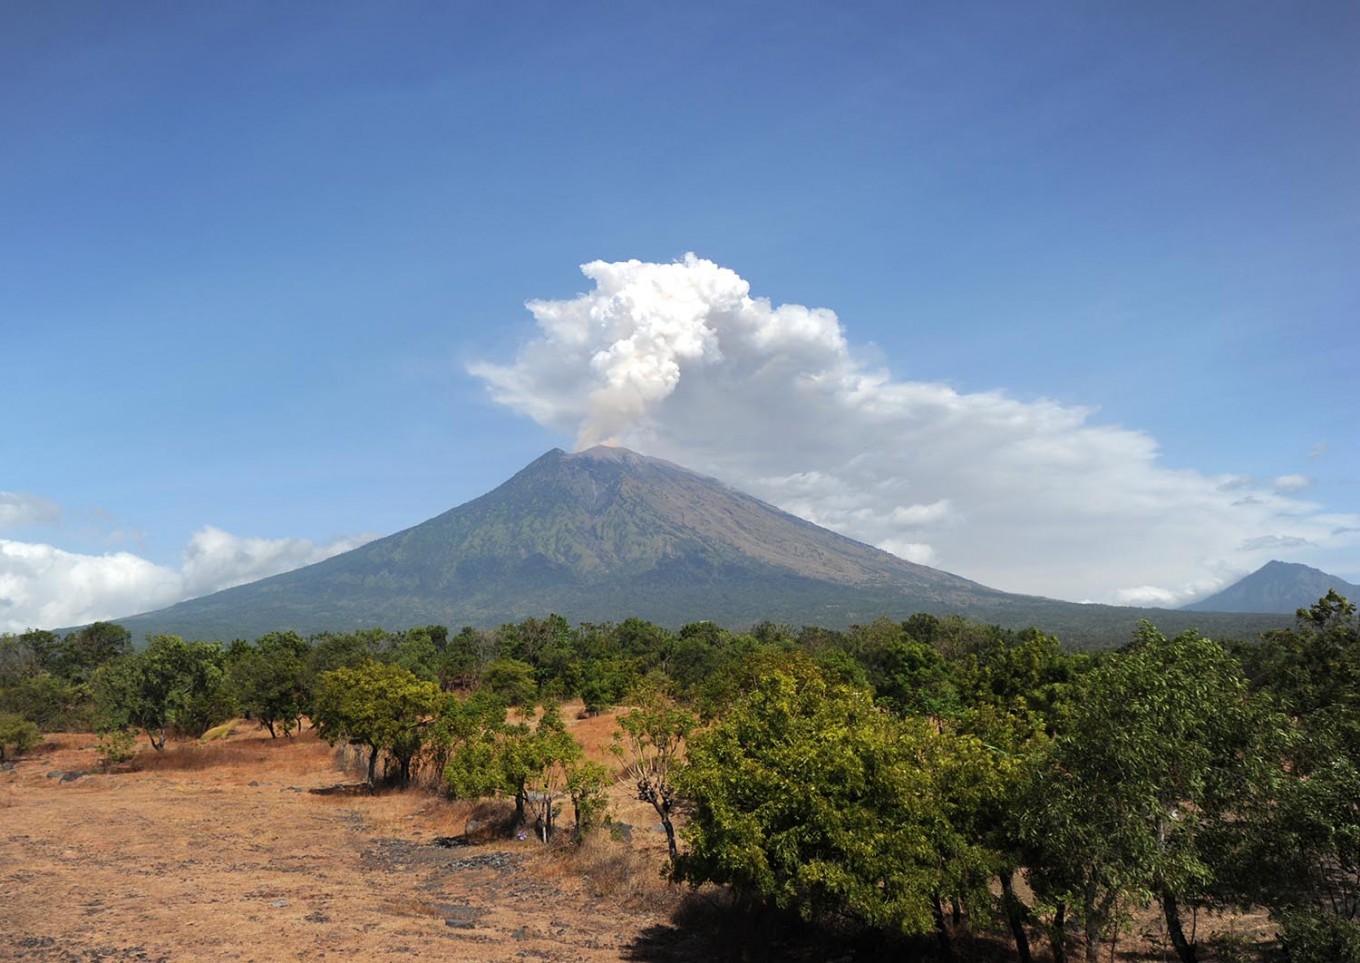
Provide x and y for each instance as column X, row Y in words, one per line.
column 269, row 681
column 651, row 741
column 808, row 795
column 87, row 649
column 170, row 686
column 17, row 735
column 494, row 756
column 1165, row 749
column 512, row 681
column 1305, row 865
column 382, row 707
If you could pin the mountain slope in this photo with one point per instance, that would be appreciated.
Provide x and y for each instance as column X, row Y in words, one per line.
column 605, row 534
column 1283, row 587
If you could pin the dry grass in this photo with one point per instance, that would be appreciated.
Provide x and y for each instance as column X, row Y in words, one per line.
column 612, row 869
column 251, row 749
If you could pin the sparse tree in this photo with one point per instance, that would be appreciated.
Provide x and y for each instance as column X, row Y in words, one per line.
column 650, row 740
column 379, row 706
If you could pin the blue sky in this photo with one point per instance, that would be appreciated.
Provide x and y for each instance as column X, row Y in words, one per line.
column 264, row 273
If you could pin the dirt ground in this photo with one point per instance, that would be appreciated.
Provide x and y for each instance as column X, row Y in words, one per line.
column 224, row 851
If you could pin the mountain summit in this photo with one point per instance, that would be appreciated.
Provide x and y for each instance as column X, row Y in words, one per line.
column 605, row 534
column 1283, row 587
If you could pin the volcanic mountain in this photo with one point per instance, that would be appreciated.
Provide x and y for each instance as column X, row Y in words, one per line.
column 605, row 534
column 1282, row 587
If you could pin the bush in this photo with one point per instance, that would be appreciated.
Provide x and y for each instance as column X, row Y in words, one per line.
column 17, row 735
column 1317, row 936
column 115, row 746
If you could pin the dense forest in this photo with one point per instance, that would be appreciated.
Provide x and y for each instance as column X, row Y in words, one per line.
column 900, row 775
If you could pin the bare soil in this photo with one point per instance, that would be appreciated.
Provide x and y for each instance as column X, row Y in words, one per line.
column 224, row 851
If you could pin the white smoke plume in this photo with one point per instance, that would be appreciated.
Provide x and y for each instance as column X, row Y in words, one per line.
column 680, row 361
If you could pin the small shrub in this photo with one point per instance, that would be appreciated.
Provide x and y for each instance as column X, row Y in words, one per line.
column 17, row 735
column 1317, row 936
column 115, row 746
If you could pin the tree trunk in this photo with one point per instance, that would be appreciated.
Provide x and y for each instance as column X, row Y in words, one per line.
column 1057, row 934
column 1187, row 951
column 521, row 799
column 269, row 724
column 941, row 927
column 664, row 811
column 1015, row 916
column 372, row 766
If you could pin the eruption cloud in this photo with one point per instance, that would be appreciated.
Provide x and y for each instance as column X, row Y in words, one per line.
column 680, row 361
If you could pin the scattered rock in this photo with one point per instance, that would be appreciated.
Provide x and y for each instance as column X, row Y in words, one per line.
column 316, row 916
column 278, row 903
column 73, row 775
column 448, row 842
column 344, row 789
column 55, row 774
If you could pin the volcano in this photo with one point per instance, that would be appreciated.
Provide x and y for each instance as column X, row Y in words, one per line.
column 606, row 534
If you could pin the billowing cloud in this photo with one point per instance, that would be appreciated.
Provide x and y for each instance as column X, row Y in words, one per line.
column 46, row 587
column 215, row 560
column 680, row 360
column 21, row 508
column 42, row 586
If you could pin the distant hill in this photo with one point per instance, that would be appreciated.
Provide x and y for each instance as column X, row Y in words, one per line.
column 605, row 534
column 1280, row 587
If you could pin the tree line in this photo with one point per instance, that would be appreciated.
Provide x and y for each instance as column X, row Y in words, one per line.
column 904, row 775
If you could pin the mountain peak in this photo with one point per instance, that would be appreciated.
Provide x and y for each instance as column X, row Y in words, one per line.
column 1276, row 586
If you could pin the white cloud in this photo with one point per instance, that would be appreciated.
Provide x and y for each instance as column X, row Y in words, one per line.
column 46, row 587
column 680, row 361
column 42, row 586
column 215, row 560
column 21, row 508
column 1292, row 483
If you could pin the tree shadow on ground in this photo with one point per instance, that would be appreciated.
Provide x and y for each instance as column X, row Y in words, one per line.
column 711, row 926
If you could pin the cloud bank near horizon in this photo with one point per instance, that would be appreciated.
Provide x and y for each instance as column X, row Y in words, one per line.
column 42, row 586
column 680, row 361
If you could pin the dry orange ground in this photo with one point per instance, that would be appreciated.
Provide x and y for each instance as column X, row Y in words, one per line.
column 219, row 852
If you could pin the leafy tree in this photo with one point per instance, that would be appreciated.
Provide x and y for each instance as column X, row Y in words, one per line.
column 586, row 784
column 1306, row 864
column 269, row 681
column 171, row 685
column 460, row 662
column 808, row 795
column 651, row 740
column 549, row 755
column 17, row 735
column 1164, row 749
column 380, row 706
column 525, row 761
column 48, row 701
column 87, row 649
column 511, row 680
